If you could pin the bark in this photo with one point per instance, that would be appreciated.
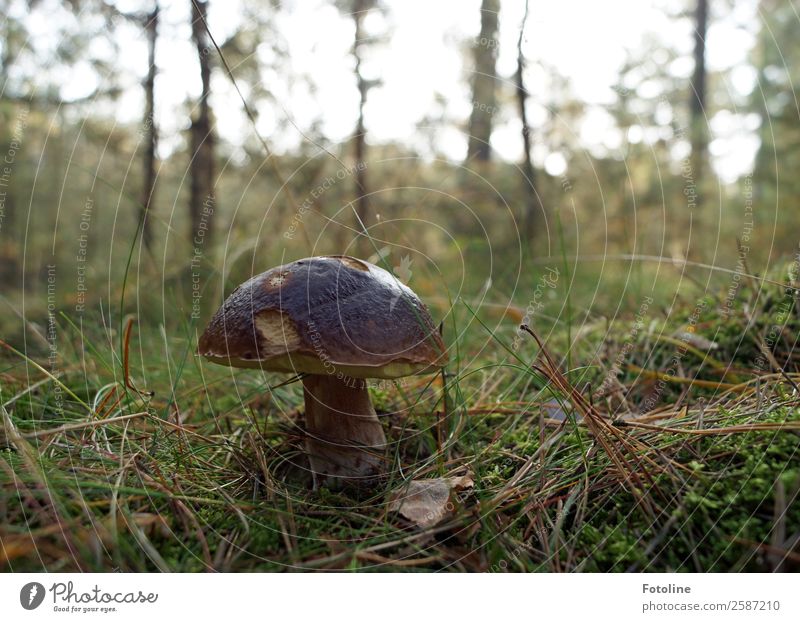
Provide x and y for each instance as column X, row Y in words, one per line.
column 484, row 83
column 533, row 205
column 202, row 169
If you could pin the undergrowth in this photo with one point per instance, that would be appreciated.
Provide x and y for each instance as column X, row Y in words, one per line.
column 671, row 445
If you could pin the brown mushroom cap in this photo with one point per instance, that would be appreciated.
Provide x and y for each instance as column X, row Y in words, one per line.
column 325, row 315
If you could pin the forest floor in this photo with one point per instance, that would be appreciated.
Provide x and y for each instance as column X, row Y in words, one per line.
column 662, row 442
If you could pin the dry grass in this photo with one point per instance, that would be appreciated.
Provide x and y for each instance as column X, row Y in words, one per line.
column 208, row 473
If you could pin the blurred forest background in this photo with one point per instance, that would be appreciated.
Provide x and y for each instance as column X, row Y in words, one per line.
column 180, row 147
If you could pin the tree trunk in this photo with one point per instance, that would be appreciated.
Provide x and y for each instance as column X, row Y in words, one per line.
column 484, row 83
column 201, row 186
column 697, row 120
column 533, row 204
column 9, row 246
column 149, row 125
column 360, row 8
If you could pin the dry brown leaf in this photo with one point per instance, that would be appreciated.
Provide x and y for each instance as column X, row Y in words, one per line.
column 428, row 502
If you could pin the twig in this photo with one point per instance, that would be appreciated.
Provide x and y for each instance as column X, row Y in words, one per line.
column 736, row 429
column 71, row 427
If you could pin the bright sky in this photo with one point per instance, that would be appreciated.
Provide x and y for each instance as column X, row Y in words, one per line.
column 420, row 58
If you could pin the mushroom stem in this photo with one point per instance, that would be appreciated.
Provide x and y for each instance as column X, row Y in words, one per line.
column 345, row 440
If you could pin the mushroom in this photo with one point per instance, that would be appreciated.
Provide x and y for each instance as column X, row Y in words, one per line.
column 337, row 320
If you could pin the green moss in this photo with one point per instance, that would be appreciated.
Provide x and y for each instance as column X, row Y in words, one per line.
column 570, row 510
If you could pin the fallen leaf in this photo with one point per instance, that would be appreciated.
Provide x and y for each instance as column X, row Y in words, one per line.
column 428, row 502
column 553, row 410
column 698, row 341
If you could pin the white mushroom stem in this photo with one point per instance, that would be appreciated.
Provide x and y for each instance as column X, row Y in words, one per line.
column 345, row 440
